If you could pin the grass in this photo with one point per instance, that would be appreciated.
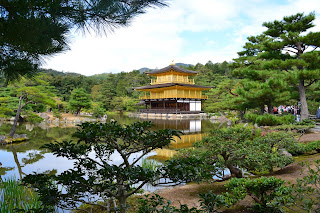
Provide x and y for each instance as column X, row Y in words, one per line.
column 15, row 196
column 150, row 164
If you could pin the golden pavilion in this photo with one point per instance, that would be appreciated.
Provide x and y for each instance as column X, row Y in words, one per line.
column 172, row 91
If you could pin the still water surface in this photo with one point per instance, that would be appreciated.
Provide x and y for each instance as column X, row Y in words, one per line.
column 27, row 157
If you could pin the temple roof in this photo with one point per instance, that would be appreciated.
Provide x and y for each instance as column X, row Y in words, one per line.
column 170, row 85
column 172, row 67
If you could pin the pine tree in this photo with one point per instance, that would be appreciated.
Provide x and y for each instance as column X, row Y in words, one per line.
column 79, row 99
column 285, row 46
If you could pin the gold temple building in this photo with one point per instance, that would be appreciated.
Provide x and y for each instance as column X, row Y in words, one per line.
column 172, row 92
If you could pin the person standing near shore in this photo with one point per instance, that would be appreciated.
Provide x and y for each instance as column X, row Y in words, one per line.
column 318, row 113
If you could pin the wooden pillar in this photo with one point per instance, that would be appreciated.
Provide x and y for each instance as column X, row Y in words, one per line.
column 176, row 106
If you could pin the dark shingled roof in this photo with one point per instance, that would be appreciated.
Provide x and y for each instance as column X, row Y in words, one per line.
column 174, row 67
column 170, row 85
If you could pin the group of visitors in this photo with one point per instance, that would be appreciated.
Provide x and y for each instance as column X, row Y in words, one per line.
column 293, row 109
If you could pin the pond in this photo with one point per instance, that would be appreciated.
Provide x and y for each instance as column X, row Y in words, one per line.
column 24, row 158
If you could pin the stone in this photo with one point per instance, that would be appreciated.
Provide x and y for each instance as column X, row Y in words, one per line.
column 86, row 119
column 285, row 152
column 44, row 116
column 214, row 117
column 2, row 139
column 77, row 120
column 15, row 136
column 12, row 119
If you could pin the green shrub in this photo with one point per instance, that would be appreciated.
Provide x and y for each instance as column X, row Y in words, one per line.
column 33, row 118
column 297, row 149
column 267, row 120
column 251, row 117
column 290, row 127
column 300, row 148
column 286, row 119
column 307, row 122
column 265, row 191
column 312, row 146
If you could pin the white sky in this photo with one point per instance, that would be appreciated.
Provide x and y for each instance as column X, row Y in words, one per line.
column 188, row 31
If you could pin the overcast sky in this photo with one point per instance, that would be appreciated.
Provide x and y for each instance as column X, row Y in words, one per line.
column 187, row 31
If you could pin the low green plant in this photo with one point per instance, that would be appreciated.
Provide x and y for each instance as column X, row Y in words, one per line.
column 14, row 197
column 307, row 122
column 312, row 146
column 251, row 117
column 307, row 189
column 301, row 148
column 290, row 127
column 265, row 191
column 33, row 117
column 269, row 119
column 211, row 202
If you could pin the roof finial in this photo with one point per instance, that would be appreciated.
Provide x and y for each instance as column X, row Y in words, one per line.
column 172, row 63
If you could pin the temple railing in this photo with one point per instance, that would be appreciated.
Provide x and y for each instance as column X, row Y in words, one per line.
column 178, row 80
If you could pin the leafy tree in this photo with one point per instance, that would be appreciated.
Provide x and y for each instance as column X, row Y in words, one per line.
column 228, row 148
column 95, row 176
column 285, row 46
column 238, row 149
column 79, row 100
column 269, row 152
column 31, row 29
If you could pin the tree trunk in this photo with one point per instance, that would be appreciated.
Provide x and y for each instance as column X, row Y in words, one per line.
column 122, row 204
column 15, row 122
column 78, row 111
column 270, row 108
column 15, row 156
column 303, row 99
column 242, row 114
column 234, row 171
column 261, row 109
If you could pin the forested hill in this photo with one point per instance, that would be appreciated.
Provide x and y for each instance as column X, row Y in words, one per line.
column 114, row 92
column 110, row 91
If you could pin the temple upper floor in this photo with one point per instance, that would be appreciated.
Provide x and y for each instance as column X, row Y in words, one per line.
column 172, row 78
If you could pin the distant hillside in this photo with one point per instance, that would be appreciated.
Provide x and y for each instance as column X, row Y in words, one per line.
column 144, row 69
column 183, row 65
column 58, row 73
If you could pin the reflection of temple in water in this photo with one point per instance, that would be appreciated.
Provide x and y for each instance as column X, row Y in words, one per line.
column 191, row 133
